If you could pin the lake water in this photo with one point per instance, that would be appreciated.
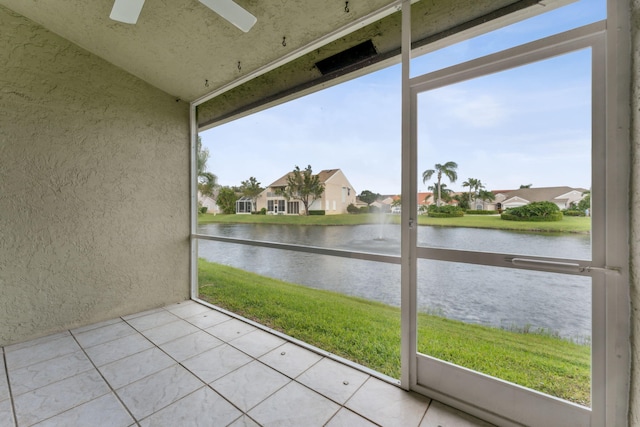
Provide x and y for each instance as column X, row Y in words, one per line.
column 495, row 296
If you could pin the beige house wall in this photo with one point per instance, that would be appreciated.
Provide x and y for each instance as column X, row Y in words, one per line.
column 331, row 201
column 94, row 187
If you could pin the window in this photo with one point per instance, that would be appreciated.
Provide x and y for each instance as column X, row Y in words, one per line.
column 293, row 207
column 507, row 285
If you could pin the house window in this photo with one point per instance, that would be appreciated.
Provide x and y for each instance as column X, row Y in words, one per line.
column 293, row 207
column 243, row 205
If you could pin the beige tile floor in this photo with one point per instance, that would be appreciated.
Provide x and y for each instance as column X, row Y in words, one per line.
column 188, row 365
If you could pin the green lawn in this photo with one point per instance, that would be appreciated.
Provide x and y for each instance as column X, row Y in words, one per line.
column 567, row 225
column 368, row 333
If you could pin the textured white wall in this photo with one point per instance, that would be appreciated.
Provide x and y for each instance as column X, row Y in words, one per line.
column 94, row 187
column 634, row 403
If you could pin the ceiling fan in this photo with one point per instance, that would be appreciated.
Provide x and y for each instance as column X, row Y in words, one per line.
column 127, row 11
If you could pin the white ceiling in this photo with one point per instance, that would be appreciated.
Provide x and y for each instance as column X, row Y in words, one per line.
column 184, row 48
column 187, row 50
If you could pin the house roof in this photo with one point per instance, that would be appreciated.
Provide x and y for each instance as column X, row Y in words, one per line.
column 542, row 194
column 424, row 197
column 324, row 175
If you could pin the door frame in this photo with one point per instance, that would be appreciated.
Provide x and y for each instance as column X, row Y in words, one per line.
column 490, row 398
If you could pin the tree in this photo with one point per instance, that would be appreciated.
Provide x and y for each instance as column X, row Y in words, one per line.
column 448, row 169
column 303, row 185
column 525, row 186
column 207, row 182
column 251, row 189
column 585, row 203
column 442, row 190
column 463, row 201
column 475, row 185
column 368, row 196
column 227, row 200
column 486, row 196
column 397, row 202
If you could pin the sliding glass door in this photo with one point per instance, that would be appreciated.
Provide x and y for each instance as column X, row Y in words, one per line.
column 511, row 318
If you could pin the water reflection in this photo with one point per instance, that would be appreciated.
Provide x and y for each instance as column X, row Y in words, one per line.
column 478, row 294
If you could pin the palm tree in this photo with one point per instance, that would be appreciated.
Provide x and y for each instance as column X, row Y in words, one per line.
column 475, row 185
column 442, row 190
column 486, row 196
column 448, row 169
column 207, row 182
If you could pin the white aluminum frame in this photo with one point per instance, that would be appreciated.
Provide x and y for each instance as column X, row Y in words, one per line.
column 490, row 398
column 611, row 351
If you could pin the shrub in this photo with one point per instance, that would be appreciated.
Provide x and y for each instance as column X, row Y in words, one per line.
column 446, row 211
column 353, row 209
column 573, row 212
column 472, row 212
column 536, row 211
column 262, row 211
column 553, row 217
column 364, row 209
column 319, row 212
column 203, row 209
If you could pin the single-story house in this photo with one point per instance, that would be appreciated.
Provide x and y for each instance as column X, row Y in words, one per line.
column 338, row 194
column 209, row 203
column 563, row 197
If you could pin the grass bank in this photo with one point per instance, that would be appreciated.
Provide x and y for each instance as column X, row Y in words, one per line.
column 368, row 333
column 567, row 225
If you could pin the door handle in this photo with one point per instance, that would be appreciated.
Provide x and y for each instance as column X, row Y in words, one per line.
column 563, row 266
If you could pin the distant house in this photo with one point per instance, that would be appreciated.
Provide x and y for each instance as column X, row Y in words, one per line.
column 424, row 200
column 563, row 197
column 244, row 205
column 209, row 203
column 338, row 194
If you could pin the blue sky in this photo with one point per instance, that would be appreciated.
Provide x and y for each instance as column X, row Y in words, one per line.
column 529, row 125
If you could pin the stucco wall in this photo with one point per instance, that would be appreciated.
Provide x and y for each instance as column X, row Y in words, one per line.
column 634, row 404
column 94, row 187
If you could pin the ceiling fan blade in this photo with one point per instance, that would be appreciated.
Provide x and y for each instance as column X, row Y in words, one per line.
column 233, row 13
column 126, row 11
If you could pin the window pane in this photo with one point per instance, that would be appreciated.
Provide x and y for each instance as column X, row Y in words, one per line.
column 555, row 21
column 529, row 328
column 504, row 141
column 347, row 307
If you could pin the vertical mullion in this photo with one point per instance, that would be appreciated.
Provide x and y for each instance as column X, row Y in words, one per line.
column 598, row 234
column 617, row 58
column 193, row 258
column 408, row 350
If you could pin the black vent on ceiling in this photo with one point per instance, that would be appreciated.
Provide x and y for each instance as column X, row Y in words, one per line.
column 346, row 58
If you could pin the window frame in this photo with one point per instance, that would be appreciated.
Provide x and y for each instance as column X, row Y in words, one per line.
column 614, row 386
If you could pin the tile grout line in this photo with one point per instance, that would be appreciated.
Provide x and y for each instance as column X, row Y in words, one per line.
column 6, row 375
column 295, row 379
column 324, row 353
column 188, row 370
column 105, row 380
column 425, row 412
column 254, row 359
column 292, row 379
column 351, row 397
